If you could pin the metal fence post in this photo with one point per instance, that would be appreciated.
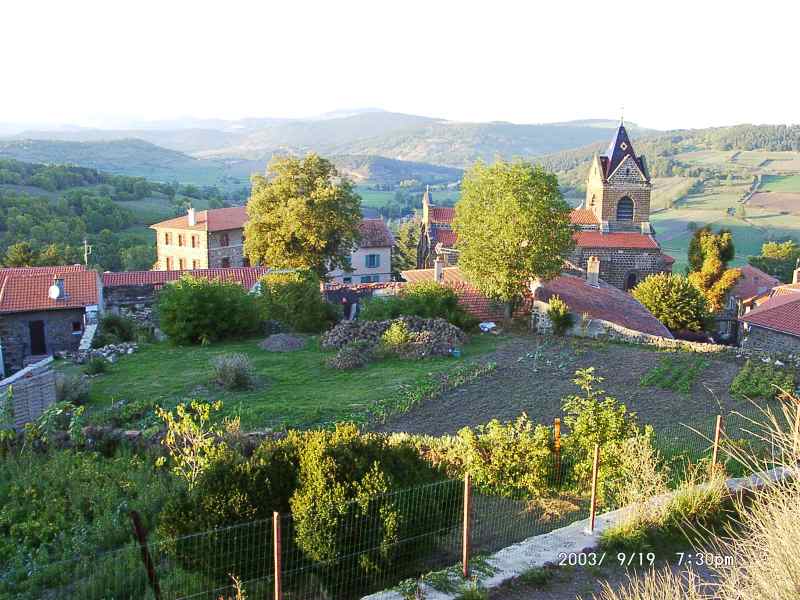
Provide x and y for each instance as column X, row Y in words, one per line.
column 557, row 448
column 595, row 468
column 276, row 551
column 717, row 434
column 466, row 532
column 141, row 536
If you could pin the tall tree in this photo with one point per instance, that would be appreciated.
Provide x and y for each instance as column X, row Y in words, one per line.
column 20, row 254
column 696, row 255
column 713, row 278
column 513, row 226
column 779, row 259
column 302, row 216
column 404, row 253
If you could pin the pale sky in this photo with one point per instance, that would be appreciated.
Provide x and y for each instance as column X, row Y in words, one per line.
column 671, row 64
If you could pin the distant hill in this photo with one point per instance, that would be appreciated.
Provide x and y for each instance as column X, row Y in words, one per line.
column 378, row 169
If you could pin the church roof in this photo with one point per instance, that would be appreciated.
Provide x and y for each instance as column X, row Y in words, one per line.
column 622, row 239
column 583, row 216
column 618, row 149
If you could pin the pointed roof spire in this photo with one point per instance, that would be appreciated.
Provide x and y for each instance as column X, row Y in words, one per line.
column 618, row 149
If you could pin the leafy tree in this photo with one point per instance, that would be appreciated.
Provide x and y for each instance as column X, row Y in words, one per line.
column 673, row 300
column 138, row 258
column 294, row 299
column 713, row 279
column 513, row 226
column 727, row 251
column 20, row 255
column 404, row 253
column 303, row 217
column 779, row 259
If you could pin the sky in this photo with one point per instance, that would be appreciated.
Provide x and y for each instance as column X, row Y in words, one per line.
column 669, row 64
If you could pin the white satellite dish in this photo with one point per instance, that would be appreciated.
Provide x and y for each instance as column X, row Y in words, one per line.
column 54, row 292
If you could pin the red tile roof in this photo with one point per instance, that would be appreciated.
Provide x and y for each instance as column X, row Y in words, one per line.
column 28, row 292
column 217, row 219
column 41, row 270
column 789, row 288
column 779, row 313
column 604, row 302
column 583, row 216
column 753, row 282
column 447, row 237
column 670, row 260
column 441, row 214
column 246, row 276
column 375, row 234
column 598, row 239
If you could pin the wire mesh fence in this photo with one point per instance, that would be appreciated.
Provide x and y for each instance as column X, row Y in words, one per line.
column 365, row 546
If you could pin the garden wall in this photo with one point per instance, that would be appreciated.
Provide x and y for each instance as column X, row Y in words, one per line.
column 30, row 390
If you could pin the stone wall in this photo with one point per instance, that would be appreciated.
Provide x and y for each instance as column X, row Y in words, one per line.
column 758, row 338
column 133, row 301
column 59, row 335
column 602, row 197
column 234, row 251
column 33, row 389
column 617, row 264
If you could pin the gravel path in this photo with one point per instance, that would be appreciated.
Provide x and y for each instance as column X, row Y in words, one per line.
column 534, row 373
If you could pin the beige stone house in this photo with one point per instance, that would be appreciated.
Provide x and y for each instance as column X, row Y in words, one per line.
column 214, row 239
column 206, row 239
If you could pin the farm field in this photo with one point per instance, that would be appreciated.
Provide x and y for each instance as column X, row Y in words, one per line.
column 667, row 190
column 377, row 198
column 780, row 183
column 296, row 389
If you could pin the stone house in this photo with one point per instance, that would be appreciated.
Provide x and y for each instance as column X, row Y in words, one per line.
column 774, row 326
column 206, row 239
column 752, row 285
column 36, row 322
column 612, row 225
column 371, row 262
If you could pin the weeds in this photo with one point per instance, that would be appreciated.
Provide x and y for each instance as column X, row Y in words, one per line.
column 675, row 373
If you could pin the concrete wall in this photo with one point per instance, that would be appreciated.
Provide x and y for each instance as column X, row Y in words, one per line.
column 193, row 258
column 358, row 260
column 758, row 338
column 59, row 336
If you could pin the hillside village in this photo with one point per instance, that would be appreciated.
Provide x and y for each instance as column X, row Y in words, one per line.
column 218, row 400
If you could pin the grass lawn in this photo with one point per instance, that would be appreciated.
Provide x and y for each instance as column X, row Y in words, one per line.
column 777, row 183
column 297, row 388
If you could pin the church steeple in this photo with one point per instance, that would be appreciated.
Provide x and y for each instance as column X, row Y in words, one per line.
column 618, row 149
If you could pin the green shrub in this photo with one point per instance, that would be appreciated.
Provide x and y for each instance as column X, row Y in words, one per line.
column 114, row 329
column 72, row 388
column 675, row 373
column 233, row 371
column 428, row 300
column 762, row 380
column 96, row 366
column 195, row 310
column 295, row 300
column 397, row 336
column 674, row 301
column 559, row 315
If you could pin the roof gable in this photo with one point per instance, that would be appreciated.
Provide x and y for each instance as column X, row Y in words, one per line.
column 628, row 171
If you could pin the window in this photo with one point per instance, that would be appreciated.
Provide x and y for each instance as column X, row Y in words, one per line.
column 373, row 261
column 631, row 281
column 166, row 238
column 195, row 264
column 180, row 239
column 181, row 264
column 226, row 263
column 370, row 278
column 224, row 240
column 194, row 241
column 245, row 262
column 625, row 209
column 347, row 280
column 77, row 327
column 169, row 263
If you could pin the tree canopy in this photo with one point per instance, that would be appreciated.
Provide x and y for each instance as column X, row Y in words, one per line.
column 404, row 253
column 674, row 301
column 713, row 278
column 513, row 226
column 779, row 259
column 303, row 215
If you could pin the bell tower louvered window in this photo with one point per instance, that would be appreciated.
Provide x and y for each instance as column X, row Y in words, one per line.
column 625, row 209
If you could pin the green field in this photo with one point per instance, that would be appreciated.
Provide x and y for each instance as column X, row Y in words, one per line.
column 780, row 183
column 296, row 388
column 377, row 199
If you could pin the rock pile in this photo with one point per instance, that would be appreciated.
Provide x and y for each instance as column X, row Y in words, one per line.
column 111, row 353
column 431, row 337
column 283, row 342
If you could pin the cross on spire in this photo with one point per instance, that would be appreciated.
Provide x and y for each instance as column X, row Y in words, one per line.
column 622, row 115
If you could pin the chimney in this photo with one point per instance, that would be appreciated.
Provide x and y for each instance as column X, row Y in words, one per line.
column 438, row 270
column 593, row 271
column 190, row 216
column 646, row 229
column 796, row 274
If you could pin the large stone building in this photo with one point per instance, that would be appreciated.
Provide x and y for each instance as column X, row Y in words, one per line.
column 612, row 225
column 214, row 239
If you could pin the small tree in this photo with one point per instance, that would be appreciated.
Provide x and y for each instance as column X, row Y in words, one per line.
column 559, row 315
column 713, row 279
column 513, row 226
column 295, row 300
column 404, row 253
column 195, row 310
column 303, row 216
column 673, row 300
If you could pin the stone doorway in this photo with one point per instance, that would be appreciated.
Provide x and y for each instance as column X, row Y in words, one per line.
column 38, row 343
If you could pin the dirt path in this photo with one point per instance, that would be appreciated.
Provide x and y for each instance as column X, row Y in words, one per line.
column 534, row 373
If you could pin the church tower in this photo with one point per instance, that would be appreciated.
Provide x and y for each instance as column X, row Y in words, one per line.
column 618, row 187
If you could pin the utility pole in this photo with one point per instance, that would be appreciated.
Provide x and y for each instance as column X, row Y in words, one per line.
column 87, row 250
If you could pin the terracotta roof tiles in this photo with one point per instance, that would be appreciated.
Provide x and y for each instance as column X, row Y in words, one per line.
column 217, row 219
column 441, row 214
column 583, row 216
column 28, row 291
column 246, row 276
column 779, row 313
column 623, row 239
column 753, row 282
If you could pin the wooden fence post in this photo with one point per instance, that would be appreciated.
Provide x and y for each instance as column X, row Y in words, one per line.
column 595, row 468
column 141, row 536
column 717, row 434
column 276, row 552
column 467, row 526
column 557, row 448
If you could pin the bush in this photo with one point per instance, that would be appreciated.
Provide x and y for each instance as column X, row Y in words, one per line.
column 114, row 329
column 762, row 380
column 72, row 388
column 96, row 366
column 295, row 299
column 674, row 301
column 195, row 310
column 428, row 300
column 233, row 371
column 559, row 315
column 352, row 356
column 397, row 336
